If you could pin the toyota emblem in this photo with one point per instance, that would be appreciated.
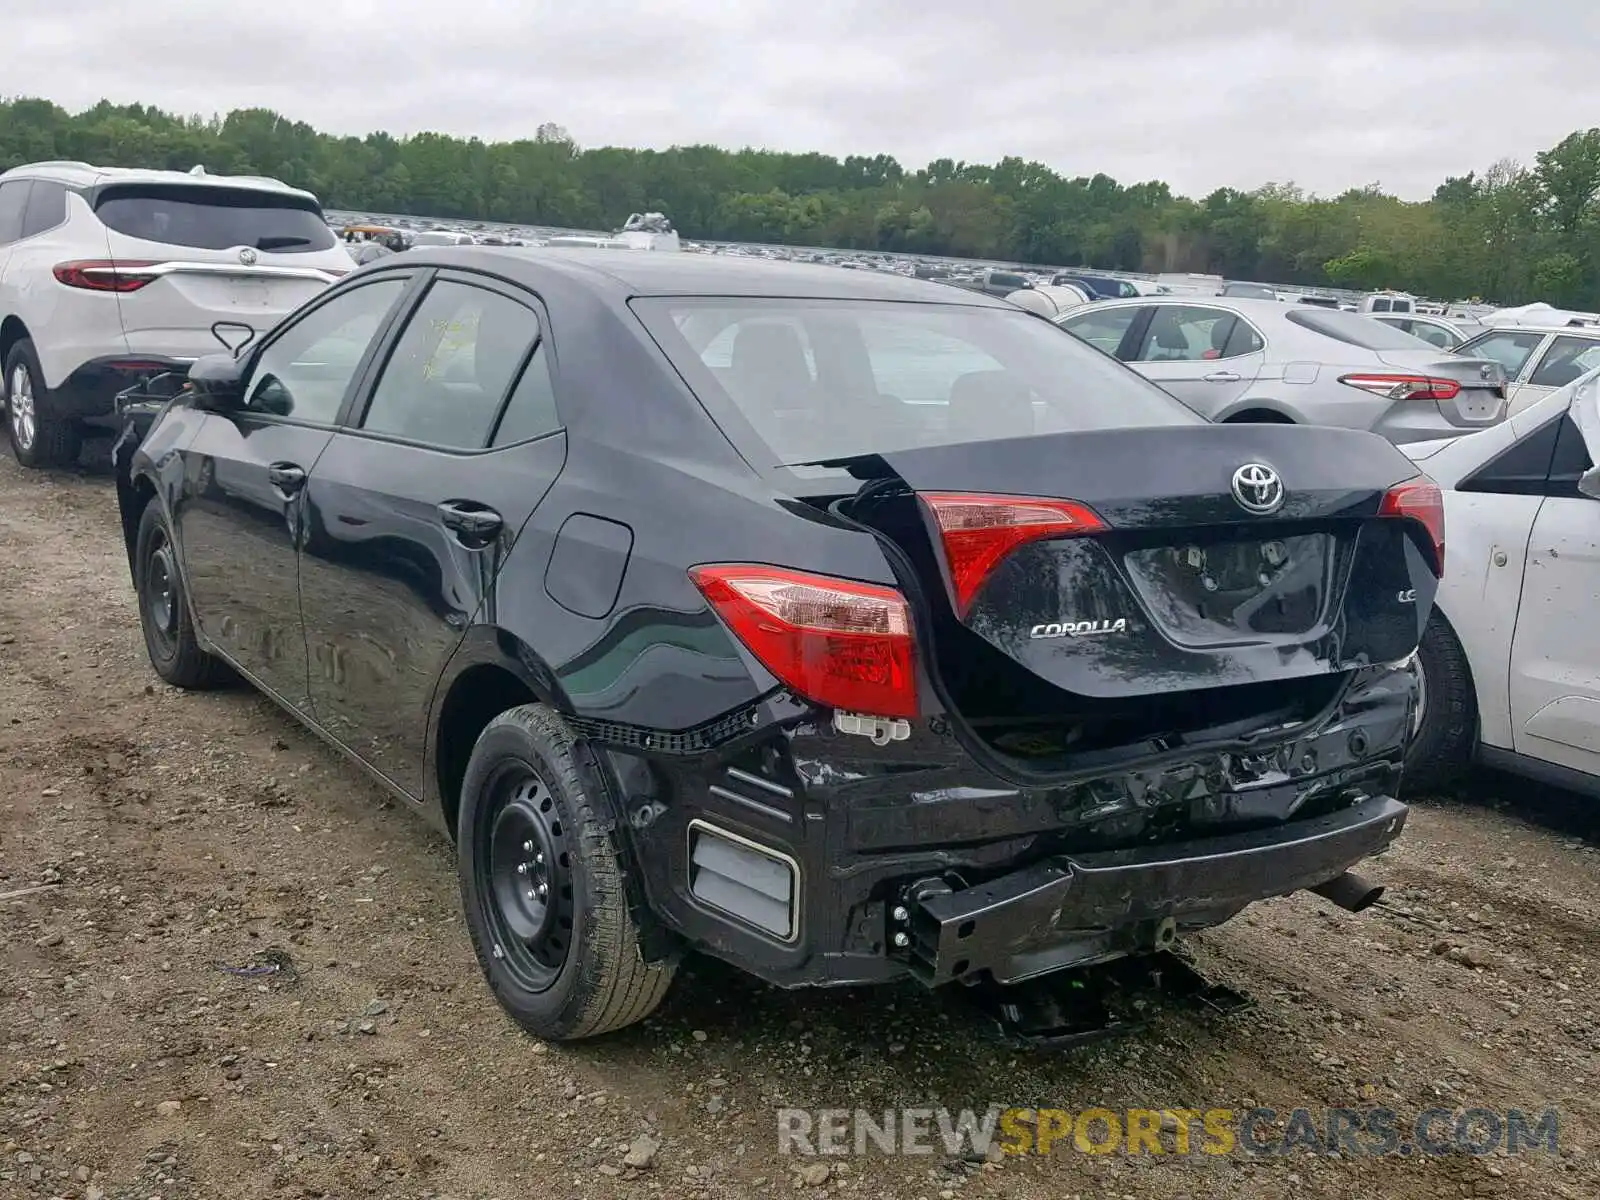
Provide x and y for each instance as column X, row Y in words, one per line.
column 247, row 256
column 1258, row 489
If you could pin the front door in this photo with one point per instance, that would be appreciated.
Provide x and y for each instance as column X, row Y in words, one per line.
column 1555, row 651
column 413, row 509
column 239, row 515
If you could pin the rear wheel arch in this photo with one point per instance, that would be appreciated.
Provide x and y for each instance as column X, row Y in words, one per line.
column 1255, row 413
column 499, row 674
column 12, row 331
column 133, row 497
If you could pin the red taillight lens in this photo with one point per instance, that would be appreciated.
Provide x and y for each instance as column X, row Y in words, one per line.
column 103, row 275
column 1404, row 387
column 834, row 641
column 1420, row 500
column 979, row 531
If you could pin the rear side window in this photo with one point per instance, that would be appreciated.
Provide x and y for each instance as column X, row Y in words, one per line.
column 13, row 204
column 1354, row 329
column 451, row 367
column 215, row 217
column 531, row 411
column 47, row 207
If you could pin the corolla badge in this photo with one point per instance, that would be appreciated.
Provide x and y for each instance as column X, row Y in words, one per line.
column 1258, row 489
column 248, row 257
column 1061, row 629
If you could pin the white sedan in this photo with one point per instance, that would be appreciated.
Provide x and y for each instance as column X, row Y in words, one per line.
column 1510, row 660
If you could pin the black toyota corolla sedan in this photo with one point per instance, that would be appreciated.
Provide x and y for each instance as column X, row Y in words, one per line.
column 842, row 626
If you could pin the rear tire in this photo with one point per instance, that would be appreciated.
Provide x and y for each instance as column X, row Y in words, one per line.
column 1446, row 729
column 542, row 885
column 39, row 436
column 164, row 617
column 1258, row 416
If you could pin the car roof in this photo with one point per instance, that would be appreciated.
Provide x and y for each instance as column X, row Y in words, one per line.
column 1583, row 331
column 86, row 175
column 669, row 273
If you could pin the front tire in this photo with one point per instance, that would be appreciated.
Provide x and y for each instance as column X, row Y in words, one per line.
column 542, row 886
column 169, row 636
column 1446, row 726
column 39, row 437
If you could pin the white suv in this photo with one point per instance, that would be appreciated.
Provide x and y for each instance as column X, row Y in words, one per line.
column 109, row 274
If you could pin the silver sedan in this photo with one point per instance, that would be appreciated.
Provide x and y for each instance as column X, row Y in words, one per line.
column 1235, row 359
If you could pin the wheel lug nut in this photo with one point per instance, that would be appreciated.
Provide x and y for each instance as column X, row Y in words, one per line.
column 901, row 939
column 543, row 889
column 522, row 868
column 527, row 847
column 539, row 857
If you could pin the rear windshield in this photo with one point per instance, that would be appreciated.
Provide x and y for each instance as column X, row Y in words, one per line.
column 794, row 381
column 215, row 218
column 1355, row 329
column 1253, row 291
column 1005, row 279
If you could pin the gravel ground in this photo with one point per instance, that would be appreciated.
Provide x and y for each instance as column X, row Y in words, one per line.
column 182, row 835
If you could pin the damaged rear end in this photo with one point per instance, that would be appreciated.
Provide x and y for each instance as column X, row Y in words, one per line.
column 1134, row 673
column 1212, row 666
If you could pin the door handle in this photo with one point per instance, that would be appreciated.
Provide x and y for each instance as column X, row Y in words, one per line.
column 474, row 525
column 1222, row 377
column 286, row 477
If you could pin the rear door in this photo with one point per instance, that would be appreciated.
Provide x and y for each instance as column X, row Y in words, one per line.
column 240, row 515
column 414, row 505
column 1206, row 357
column 1563, row 359
column 191, row 256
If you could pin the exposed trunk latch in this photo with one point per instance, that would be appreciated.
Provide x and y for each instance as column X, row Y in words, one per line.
column 882, row 730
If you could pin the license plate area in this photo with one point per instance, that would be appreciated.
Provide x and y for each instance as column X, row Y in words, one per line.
column 1479, row 404
column 1218, row 592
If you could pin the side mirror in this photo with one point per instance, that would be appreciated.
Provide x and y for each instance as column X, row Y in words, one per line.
column 1589, row 483
column 218, row 383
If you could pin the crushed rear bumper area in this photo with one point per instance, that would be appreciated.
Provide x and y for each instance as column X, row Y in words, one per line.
column 1072, row 910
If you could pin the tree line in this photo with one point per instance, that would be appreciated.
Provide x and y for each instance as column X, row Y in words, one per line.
column 1511, row 234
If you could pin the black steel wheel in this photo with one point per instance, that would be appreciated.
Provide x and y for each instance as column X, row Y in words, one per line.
column 169, row 636
column 542, row 883
column 526, row 891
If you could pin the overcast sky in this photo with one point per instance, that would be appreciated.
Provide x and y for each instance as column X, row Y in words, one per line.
column 1201, row 93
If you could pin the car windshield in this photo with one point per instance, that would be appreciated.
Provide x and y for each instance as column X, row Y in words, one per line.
column 211, row 217
column 796, row 381
column 1354, row 329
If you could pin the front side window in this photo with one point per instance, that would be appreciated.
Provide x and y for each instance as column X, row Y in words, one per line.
column 804, row 380
column 1511, row 348
column 452, row 367
column 1567, row 359
column 1102, row 328
column 305, row 373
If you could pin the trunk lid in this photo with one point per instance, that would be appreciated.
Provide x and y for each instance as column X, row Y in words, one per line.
column 1179, row 587
column 1482, row 398
column 197, row 256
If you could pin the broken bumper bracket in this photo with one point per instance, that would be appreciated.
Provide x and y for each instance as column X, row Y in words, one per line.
column 1070, row 1008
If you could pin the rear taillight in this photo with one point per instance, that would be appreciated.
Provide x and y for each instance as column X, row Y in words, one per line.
column 1420, row 500
column 834, row 641
column 979, row 531
column 103, row 275
column 1404, row 387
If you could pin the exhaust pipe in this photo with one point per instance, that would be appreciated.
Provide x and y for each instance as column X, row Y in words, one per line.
column 1350, row 892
